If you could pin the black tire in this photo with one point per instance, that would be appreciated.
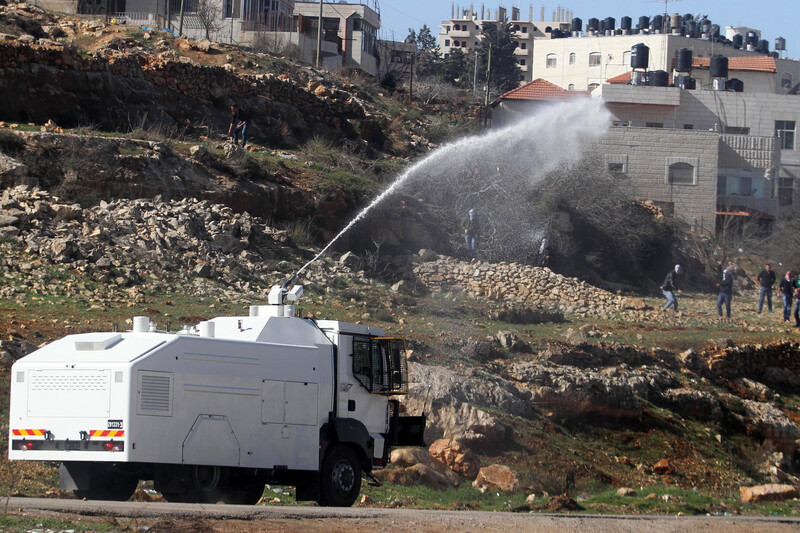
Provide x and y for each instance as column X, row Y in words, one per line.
column 206, row 484
column 108, row 484
column 341, row 478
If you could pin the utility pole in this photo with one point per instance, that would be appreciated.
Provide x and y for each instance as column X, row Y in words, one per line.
column 319, row 36
column 475, row 74
column 180, row 21
column 411, row 78
column 488, row 79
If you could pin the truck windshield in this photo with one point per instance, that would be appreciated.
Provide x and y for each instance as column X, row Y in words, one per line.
column 379, row 364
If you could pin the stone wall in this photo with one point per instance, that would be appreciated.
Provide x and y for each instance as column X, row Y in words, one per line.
column 523, row 284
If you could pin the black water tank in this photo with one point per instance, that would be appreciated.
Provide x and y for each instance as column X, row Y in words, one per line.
column 686, row 82
column 763, row 46
column 611, row 23
column 625, row 23
column 719, row 67
column 691, row 28
column 644, row 23
column 592, row 24
column 640, row 56
column 737, row 41
column 683, row 60
column 687, row 17
column 705, row 26
column 577, row 24
column 659, row 78
column 657, row 24
column 735, row 85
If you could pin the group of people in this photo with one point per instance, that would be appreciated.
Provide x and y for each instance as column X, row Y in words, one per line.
column 472, row 228
column 789, row 288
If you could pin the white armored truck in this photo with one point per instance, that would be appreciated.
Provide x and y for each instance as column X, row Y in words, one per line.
column 215, row 411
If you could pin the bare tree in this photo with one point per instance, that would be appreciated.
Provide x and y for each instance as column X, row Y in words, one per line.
column 208, row 13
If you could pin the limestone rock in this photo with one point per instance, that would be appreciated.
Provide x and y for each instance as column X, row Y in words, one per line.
column 455, row 455
column 772, row 492
column 769, row 422
column 496, row 477
column 418, row 466
column 662, row 467
column 626, row 491
column 692, row 403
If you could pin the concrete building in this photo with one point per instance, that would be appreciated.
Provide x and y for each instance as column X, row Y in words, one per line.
column 584, row 63
column 701, row 155
column 463, row 30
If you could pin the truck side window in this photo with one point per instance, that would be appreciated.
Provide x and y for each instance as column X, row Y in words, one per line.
column 379, row 364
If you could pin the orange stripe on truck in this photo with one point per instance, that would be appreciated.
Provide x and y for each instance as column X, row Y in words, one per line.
column 106, row 433
column 29, row 432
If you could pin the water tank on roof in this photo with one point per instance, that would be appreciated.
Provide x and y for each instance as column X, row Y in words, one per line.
column 602, row 27
column 780, row 43
column 752, row 38
column 577, row 25
column 683, row 60
column 657, row 24
column 592, row 25
column 687, row 17
column 686, row 82
column 659, row 78
column 691, row 29
column 735, row 85
column 644, row 24
column 625, row 23
column 640, row 56
column 763, row 46
column 675, row 21
column 705, row 25
column 719, row 67
column 611, row 23
column 737, row 41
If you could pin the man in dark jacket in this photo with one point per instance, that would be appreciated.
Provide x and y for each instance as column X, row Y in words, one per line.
column 670, row 287
column 766, row 278
column 725, row 292
column 786, row 289
column 471, row 230
column 239, row 122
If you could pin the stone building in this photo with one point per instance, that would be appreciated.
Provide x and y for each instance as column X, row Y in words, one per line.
column 701, row 155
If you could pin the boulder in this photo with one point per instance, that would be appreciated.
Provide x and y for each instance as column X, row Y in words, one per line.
column 772, row 492
column 350, row 260
column 496, row 477
column 626, row 492
column 11, row 170
column 692, row 403
column 563, row 502
column 662, row 467
column 457, row 456
column 417, row 466
column 769, row 422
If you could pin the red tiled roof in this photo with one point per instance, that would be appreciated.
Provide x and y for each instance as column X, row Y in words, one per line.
column 621, row 78
column 755, row 64
column 540, row 89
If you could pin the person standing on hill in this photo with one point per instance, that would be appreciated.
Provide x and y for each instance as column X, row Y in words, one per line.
column 545, row 253
column 725, row 292
column 239, row 122
column 796, row 286
column 670, row 287
column 471, row 230
column 786, row 289
column 766, row 278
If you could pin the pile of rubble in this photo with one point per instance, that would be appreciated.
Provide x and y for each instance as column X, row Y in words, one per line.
column 153, row 244
column 524, row 284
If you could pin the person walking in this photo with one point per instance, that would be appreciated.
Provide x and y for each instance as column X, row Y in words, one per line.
column 545, row 253
column 670, row 287
column 239, row 122
column 796, row 286
column 786, row 288
column 725, row 292
column 766, row 278
column 472, row 229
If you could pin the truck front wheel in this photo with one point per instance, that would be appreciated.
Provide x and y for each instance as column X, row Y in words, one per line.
column 341, row 478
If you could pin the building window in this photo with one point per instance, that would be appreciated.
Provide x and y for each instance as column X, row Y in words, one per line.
column 594, row 59
column 456, row 43
column 457, row 27
column 737, row 130
column 552, row 60
column 522, row 62
column 447, row 29
column 785, row 130
column 572, row 58
column 571, row 87
column 476, row 43
column 682, row 170
column 688, row 126
column 463, row 44
column 523, row 46
column 785, row 191
column 745, row 186
column 617, row 163
column 653, row 124
column 593, row 86
column 786, row 81
column 524, row 29
column 722, row 186
column 447, row 42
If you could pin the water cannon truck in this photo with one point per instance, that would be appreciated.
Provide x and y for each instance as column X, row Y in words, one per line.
column 213, row 412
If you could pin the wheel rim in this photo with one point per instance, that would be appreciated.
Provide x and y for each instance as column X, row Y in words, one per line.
column 343, row 476
column 207, row 477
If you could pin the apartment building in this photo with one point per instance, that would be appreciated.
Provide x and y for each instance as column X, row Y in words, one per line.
column 463, row 30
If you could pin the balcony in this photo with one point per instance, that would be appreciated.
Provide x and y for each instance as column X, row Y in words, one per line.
column 460, row 34
column 735, row 204
column 520, row 52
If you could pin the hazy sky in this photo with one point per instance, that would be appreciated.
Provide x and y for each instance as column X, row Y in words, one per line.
column 774, row 18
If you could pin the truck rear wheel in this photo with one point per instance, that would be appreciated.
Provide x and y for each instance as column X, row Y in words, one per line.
column 341, row 478
column 243, row 491
column 108, row 484
column 196, row 483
